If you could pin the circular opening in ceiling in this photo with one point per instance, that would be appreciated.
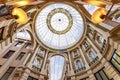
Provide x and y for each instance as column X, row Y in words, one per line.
column 59, row 26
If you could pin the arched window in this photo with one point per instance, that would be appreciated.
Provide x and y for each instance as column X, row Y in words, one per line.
column 56, row 67
column 92, row 55
column 100, row 39
column 23, row 35
column 37, row 62
column 79, row 64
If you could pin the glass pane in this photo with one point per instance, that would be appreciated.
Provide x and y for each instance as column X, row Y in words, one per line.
column 118, row 18
column 28, row 46
column 118, row 53
column 8, row 73
column 86, row 45
column 56, row 67
column 92, row 55
column 100, row 39
column 98, row 76
column 19, row 44
column 90, row 8
column 20, row 56
column 117, row 58
column 8, row 54
column 79, row 64
column 36, row 63
column 104, row 77
column 40, row 52
column 59, row 26
column 115, row 64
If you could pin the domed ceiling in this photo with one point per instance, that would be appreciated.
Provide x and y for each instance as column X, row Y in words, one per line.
column 59, row 26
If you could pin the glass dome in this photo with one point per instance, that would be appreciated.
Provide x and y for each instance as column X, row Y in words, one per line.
column 59, row 26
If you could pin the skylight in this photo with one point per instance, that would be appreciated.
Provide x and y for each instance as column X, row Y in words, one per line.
column 59, row 26
column 90, row 8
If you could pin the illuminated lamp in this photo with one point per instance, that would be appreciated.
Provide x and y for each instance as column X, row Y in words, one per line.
column 19, row 15
column 96, row 3
column 22, row 3
column 99, row 15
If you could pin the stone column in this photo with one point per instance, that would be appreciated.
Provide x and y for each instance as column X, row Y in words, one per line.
column 25, row 61
column 32, row 58
column 95, row 48
column 29, row 66
column 86, row 63
column 45, row 61
column 71, row 71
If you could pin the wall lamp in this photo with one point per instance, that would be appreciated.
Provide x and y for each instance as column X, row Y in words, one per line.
column 14, row 11
column 101, row 13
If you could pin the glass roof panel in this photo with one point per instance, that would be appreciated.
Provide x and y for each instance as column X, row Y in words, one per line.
column 59, row 26
column 90, row 8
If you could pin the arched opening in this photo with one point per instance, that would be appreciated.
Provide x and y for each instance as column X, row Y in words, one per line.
column 23, row 34
column 56, row 67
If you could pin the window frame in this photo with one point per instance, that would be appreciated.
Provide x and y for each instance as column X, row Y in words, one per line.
column 20, row 56
column 98, row 72
column 8, row 54
column 7, row 73
column 80, row 65
column 19, row 44
column 114, row 52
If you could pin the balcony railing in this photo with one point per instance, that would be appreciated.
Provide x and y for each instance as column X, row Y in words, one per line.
column 94, row 61
column 36, row 68
column 80, row 69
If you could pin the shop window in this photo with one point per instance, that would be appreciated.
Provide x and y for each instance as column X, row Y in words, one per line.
column 79, row 64
column 115, row 60
column 20, row 56
column 8, row 73
column 101, row 75
column 31, row 78
column 92, row 55
column 19, row 44
column 9, row 54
